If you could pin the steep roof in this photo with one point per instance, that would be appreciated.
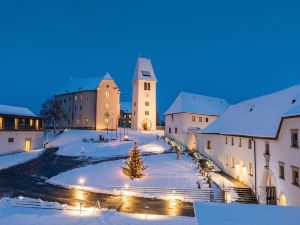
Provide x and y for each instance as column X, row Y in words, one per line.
column 144, row 70
column 198, row 104
column 126, row 107
column 17, row 111
column 73, row 85
column 258, row 117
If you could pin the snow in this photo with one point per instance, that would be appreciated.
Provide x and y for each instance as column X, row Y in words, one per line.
column 258, row 117
column 245, row 214
column 163, row 171
column 13, row 110
column 71, row 143
column 107, row 76
column 143, row 64
column 199, row 104
column 126, row 107
column 10, row 160
column 69, row 216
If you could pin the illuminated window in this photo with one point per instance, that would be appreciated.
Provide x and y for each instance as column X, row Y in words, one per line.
column 27, row 144
column 75, row 98
column 81, row 97
column 147, row 113
column 31, row 122
column 37, row 124
column 106, row 121
column 107, row 94
column 16, row 123
column 106, row 106
column 1, row 123
column 86, row 120
column 129, row 115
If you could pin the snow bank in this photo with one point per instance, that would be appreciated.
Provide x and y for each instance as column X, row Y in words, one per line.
column 29, row 216
column 7, row 161
column 71, row 143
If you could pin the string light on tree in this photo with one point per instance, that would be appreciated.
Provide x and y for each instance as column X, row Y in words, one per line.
column 134, row 166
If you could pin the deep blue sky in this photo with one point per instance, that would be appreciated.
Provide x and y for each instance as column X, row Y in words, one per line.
column 230, row 49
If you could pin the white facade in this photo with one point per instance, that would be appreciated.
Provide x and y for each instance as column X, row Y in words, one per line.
column 144, row 96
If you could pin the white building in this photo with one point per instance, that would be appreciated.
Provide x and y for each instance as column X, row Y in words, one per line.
column 257, row 142
column 20, row 130
column 189, row 113
column 144, row 96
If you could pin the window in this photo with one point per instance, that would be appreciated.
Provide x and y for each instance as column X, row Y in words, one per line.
column 226, row 140
column 86, row 120
column 81, row 107
column 172, row 117
column 11, row 140
column 1, row 122
column 250, row 169
column 240, row 142
column 193, row 118
column 129, row 116
column 146, row 73
column 294, row 138
column 134, row 113
column 31, row 122
column 295, row 176
column 146, row 103
column 75, row 108
column 147, row 113
column 69, row 109
column 209, row 145
column 106, row 121
column 200, row 119
column 106, row 94
column 16, row 123
column 249, row 143
column 232, row 140
column 106, row 106
column 267, row 148
column 175, row 130
column 107, row 86
column 233, row 162
column 134, row 104
column 281, row 170
column 170, row 130
column 75, row 98
column 146, row 86
column 81, row 97
column 77, row 121
column 37, row 124
column 206, row 119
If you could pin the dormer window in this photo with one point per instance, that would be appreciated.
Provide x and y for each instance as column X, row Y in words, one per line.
column 146, row 73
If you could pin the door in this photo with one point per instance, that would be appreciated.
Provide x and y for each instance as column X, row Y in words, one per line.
column 28, row 144
column 271, row 195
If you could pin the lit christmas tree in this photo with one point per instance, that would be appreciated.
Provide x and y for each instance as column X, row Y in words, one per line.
column 134, row 166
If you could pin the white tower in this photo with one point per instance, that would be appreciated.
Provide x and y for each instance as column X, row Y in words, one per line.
column 144, row 96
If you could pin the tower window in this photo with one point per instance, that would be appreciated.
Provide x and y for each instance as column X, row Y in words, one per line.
column 107, row 94
column 75, row 98
column 147, row 86
column 146, row 103
column 146, row 73
column 147, row 113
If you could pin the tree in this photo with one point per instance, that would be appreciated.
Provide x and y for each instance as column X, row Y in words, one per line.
column 52, row 112
column 134, row 166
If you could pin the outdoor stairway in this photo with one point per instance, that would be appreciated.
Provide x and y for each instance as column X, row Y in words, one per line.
column 246, row 195
column 183, row 194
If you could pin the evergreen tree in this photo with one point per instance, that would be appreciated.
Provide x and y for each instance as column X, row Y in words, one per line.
column 134, row 166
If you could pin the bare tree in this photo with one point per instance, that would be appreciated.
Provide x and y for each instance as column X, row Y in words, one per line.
column 52, row 112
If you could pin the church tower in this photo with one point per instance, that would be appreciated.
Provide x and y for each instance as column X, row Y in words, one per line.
column 144, row 96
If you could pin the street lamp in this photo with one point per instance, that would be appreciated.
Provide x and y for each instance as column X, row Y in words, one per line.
column 81, row 181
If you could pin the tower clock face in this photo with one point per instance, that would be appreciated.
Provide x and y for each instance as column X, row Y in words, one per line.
column 147, row 95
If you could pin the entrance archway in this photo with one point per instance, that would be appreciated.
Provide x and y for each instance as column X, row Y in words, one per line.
column 146, row 125
column 268, row 192
column 282, row 200
column 192, row 142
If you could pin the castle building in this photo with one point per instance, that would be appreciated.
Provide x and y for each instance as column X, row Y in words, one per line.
column 144, row 96
column 90, row 103
column 20, row 130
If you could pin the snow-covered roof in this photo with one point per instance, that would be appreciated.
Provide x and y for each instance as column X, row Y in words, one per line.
column 14, row 110
column 126, row 107
column 198, row 104
column 82, row 84
column 246, row 214
column 258, row 117
column 144, row 70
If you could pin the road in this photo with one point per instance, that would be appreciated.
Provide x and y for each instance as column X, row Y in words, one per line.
column 28, row 180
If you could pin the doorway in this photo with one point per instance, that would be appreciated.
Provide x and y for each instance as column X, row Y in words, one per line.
column 146, row 125
column 27, row 144
column 271, row 195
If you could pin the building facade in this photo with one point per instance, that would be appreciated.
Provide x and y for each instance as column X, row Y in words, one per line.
column 125, row 114
column 20, row 130
column 144, row 96
column 190, row 113
column 257, row 142
column 91, row 103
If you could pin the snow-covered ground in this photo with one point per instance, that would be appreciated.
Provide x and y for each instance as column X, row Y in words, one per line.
column 10, row 160
column 33, row 216
column 71, row 143
column 163, row 171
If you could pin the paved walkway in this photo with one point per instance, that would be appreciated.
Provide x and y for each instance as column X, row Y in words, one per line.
column 28, row 180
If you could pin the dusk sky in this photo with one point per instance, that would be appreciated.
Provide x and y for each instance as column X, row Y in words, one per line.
column 230, row 49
